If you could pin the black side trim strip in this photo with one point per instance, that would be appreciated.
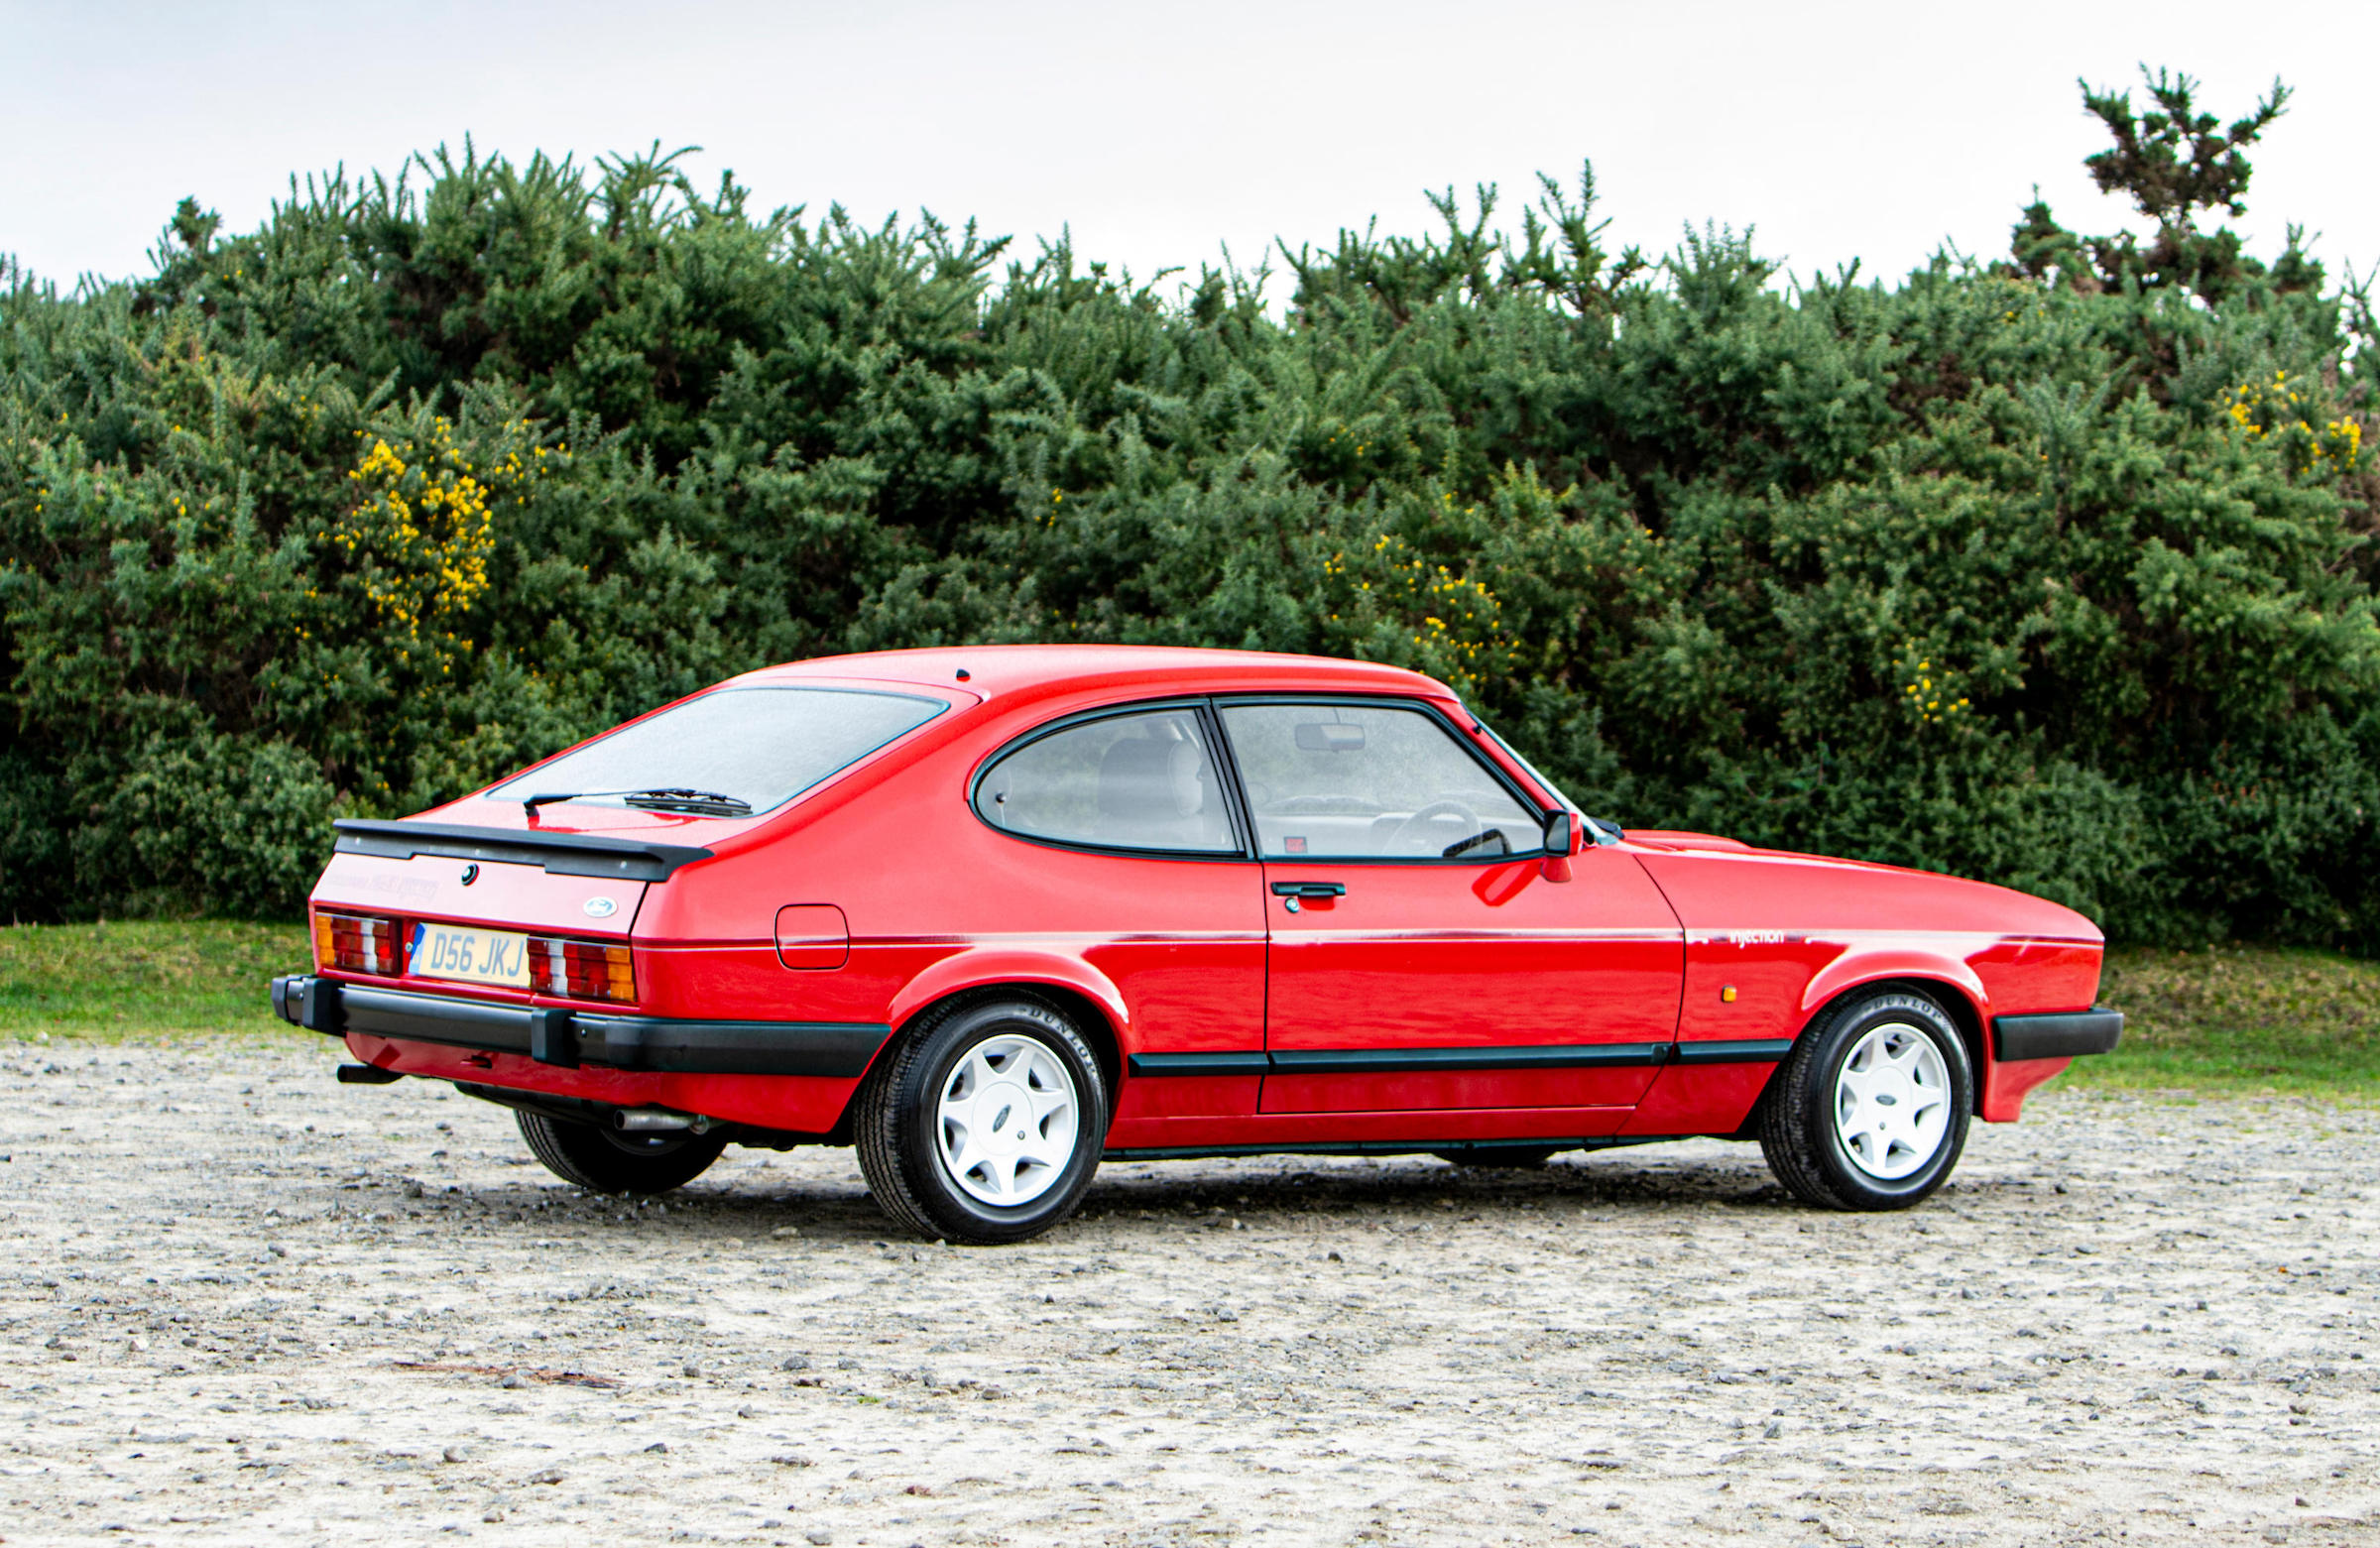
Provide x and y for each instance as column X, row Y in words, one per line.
column 1371, row 1061
column 1748, row 1050
column 560, row 1036
column 1390, row 1062
column 2060, row 1036
column 561, row 854
column 1199, row 1063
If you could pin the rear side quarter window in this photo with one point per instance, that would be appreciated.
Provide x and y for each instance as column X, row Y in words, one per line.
column 1144, row 780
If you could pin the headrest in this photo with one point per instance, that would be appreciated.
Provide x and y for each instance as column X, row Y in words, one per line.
column 1144, row 777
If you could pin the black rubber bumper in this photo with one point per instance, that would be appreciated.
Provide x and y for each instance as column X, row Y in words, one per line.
column 2065, row 1036
column 556, row 1036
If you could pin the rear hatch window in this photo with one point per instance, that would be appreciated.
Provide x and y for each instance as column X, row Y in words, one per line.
column 755, row 748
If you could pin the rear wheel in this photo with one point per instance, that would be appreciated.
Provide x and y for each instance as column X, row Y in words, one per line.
column 1870, row 1109
column 611, row 1162
column 985, row 1124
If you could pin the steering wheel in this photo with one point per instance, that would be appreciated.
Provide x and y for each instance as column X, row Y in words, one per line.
column 1393, row 843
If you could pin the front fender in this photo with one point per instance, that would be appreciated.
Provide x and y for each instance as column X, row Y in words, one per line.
column 984, row 967
column 1873, row 964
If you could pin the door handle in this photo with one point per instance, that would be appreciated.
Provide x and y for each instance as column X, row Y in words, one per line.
column 1309, row 889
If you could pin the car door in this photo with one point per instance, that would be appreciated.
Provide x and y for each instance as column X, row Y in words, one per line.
column 1420, row 952
column 1117, row 844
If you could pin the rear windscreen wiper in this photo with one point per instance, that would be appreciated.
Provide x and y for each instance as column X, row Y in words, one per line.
column 709, row 804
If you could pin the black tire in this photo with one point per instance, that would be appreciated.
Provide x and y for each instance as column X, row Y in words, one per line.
column 1517, row 1157
column 606, row 1162
column 896, row 1127
column 1798, row 1132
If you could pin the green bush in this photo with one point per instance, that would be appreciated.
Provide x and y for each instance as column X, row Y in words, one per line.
column 208, row 822
column 2054, row 570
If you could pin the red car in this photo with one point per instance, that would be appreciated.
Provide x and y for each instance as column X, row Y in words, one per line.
column 991, row 914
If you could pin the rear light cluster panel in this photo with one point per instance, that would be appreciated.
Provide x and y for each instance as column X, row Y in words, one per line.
column 582, row 970
column 557, row 964
column 351, row 943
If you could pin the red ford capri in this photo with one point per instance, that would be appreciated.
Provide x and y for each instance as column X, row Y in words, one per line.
column 991, row 914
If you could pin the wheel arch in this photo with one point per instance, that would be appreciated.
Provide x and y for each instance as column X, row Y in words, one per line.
column 1088, row 1014
column 1082, row 993
column 1946, row 991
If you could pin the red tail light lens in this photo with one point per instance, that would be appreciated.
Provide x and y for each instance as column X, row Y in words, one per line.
column 582, row 970
column 355, row 943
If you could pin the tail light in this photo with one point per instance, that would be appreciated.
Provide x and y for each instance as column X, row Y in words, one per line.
column 582, row 970
column 354, row 943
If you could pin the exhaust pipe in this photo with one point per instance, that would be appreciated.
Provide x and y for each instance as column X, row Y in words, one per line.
column 655, row 1121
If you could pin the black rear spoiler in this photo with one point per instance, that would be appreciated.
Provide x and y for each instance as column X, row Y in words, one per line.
column 561, row 854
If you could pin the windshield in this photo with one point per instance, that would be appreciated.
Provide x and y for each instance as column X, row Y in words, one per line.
column 759, row 745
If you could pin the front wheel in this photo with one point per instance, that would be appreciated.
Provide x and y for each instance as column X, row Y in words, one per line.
column 608, row 1162
column 1869, row 1111
column 985, row 1124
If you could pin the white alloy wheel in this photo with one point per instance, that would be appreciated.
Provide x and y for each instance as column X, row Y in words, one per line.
column 1007, row 1119
column 1892, row 1101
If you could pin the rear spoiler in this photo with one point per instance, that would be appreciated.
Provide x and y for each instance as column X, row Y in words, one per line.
column 561, row 854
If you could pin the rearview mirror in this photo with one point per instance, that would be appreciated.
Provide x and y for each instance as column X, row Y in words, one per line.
column 1329, row 736
column 1559, row 833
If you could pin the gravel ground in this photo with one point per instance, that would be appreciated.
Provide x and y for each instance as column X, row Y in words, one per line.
column 242, row 1303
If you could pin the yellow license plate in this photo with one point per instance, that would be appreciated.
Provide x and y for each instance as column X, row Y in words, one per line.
column 469, row 955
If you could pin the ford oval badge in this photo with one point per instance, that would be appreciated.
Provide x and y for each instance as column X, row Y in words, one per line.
column 600, row 907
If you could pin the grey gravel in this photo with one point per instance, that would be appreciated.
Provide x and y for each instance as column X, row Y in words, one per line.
column 241, row 1303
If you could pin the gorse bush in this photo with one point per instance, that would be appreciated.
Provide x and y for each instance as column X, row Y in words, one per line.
column 2052, row 571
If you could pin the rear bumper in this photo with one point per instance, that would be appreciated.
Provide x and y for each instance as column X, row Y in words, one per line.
column 2065, row 1036
column 567, row 1039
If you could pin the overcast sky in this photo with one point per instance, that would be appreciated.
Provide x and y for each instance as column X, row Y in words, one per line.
column 1160, row 133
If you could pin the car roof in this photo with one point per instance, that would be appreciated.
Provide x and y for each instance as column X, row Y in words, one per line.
column 1035, row 670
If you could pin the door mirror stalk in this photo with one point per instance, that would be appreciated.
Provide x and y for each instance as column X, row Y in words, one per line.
column 1561, row 842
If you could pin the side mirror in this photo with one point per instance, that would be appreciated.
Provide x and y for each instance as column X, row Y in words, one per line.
column 1560, row 834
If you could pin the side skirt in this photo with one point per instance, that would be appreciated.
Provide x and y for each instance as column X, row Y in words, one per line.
column 1438, row 1061
column 1385, row 1147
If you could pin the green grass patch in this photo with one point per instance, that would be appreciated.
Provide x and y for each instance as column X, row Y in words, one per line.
column 2234, row 1018
column 145, row 976
column 2241, row 1018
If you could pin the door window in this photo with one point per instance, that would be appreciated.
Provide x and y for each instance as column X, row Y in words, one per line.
column 1337, row 782
column 1124, row 782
